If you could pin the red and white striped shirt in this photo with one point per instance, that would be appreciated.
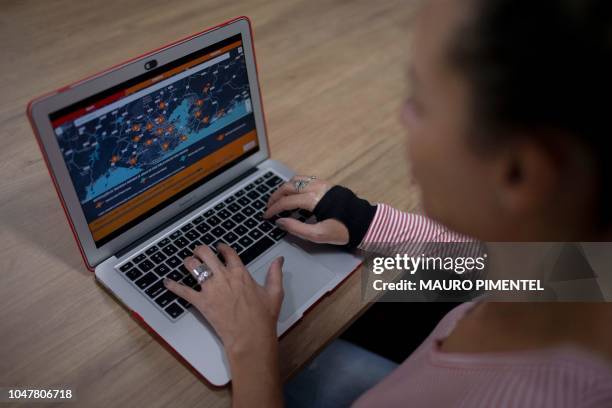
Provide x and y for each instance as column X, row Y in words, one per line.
column 556, row 377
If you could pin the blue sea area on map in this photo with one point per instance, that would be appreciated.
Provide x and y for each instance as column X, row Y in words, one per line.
column 179, row 118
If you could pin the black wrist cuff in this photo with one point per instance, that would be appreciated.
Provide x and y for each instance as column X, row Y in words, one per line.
column 354, row 212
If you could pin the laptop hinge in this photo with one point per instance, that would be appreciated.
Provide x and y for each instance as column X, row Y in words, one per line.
column 183, row 213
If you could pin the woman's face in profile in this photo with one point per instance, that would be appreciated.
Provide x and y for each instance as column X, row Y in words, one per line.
column 457, row 184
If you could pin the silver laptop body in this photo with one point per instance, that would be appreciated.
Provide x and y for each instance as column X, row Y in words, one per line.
column 167, row 151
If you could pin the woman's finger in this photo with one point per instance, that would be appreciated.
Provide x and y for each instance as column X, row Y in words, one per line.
column 284, row 189
column 191, row 263
column 274, row 281
column 304, row 201
column 288, row 188
column 207, row 256
column 181, row 290
column 329, row 231
column 232, row 260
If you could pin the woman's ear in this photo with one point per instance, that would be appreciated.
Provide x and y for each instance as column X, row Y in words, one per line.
column 528, row 178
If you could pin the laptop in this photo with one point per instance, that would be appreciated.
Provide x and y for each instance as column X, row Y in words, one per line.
column 166, row 152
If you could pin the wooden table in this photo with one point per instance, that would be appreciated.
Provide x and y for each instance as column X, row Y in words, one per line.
column 332, row 76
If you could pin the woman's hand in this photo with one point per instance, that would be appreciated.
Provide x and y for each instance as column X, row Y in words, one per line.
column 243, row 313
column 287, row 198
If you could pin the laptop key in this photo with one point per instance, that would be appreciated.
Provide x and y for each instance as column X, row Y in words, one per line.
column 174, row 262
column 224, row 214
column 268, row 175
column 133, row 274
column 163, row 242
column 174, row 310
column 175, row 234
column 203, row 228
column 240, row 193
column 262, row 188
column 213, row 221
column 139, row 258
column 234, row 207
column 244, row 201
column 266, row 226
column 155, row 289
column 228, row 224
column 170, row 249
column 248, row 211
column 192, row 235
column 245, row 241
column 250, row 187
column 146, row 280
column 189, row 281
column 230, row 237
column 126, row 266
column 237, row 247
column 258, row 204
column 255, row 234
column 274, row 181
column 219, row 206
column 166, row 298
column 256, row 249
column 184, row 253
column 146, row 266
column 259, row 180
column 187, row 227
column 207, row 239
column 239, row 217
column 194, row 244
column 277, row 233
column 182, row 269
column 241, row 230
column 250, row 223
column 158, row 257
column 151, row 250
column 161, row 270
column 175, row 276
column 209, row 213
column 253, row 195
column 181, row 242
column 198, row 220
column 230, row 200
column 218, row 231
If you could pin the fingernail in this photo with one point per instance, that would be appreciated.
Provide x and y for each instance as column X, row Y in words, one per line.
column 282, row 260
column 166, row 281
column 281, row 223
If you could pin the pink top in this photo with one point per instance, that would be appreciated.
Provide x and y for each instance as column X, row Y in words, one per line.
column 557, row 377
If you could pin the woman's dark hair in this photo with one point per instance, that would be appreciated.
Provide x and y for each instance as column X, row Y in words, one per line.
column 542, row 65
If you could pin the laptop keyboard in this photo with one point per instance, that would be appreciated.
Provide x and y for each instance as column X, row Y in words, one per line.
column 237, row 221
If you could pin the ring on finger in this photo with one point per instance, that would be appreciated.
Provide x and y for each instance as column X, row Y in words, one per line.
column 202, row 273
column 303, row 183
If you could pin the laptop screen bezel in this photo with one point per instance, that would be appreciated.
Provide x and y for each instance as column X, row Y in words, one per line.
column 40, row 110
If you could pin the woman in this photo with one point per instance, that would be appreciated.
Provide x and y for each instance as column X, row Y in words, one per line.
column 508, row 142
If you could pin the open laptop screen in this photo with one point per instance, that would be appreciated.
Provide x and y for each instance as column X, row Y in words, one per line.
column 141, row 145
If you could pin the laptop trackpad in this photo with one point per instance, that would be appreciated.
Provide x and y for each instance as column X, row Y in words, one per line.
column 303, row 277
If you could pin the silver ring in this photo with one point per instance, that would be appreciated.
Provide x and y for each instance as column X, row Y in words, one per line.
column 202, row 273
column 302, row 184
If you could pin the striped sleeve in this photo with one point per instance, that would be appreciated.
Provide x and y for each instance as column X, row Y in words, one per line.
column 391, row 227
